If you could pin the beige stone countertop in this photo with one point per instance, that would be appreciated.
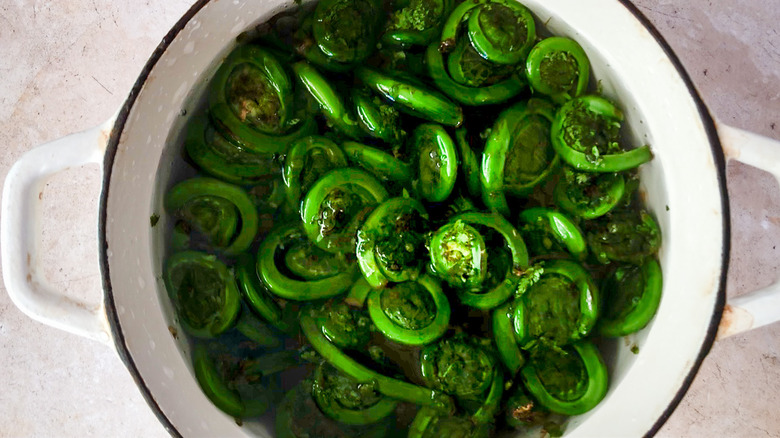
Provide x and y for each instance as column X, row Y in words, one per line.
column 67, row 65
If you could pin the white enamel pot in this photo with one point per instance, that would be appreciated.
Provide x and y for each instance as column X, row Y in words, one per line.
column 138, row 147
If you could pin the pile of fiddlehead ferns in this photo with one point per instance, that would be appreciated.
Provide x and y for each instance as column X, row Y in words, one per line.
column 421, row 207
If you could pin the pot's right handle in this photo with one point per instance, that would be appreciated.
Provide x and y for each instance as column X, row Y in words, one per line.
column 20, row 231
column 761, row 307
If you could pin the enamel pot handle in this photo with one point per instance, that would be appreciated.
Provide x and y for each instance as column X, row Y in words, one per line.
column 21, row 232
column 760, row 307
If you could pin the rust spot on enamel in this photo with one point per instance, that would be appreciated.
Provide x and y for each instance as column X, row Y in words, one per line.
column 732, row 153
column 729, row 141
column 734, row 320
column 103, row 137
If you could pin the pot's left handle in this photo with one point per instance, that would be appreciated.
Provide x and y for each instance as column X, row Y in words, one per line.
column 761, row 307
column 20, row 233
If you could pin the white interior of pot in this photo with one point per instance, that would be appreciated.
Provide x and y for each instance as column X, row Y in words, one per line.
column 631, row 68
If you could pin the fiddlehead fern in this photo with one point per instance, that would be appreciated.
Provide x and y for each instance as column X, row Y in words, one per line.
column 497, row 91
column 307, row 160
column 336, row 206
column 251, row 102
column 431, row 167
column 500, row 31
column 224, row 381
column 282, row 283
column 504, row 335
column 348, row 401
column 258, row 297
column 223, row 159
column 346, row 30
column 518, row 154
column 412, row 98
column 625, row 236
column 344, row 326
column 313, row 409
column 222, row 212
column 458, row 266
column 303, row 43
column 458, row 366
column 434, row 161
column 631, row 297
column 383, row 165
column 585, row 133
column 388, row 386
column 308, row 262
column 377, row 118
column 569, row 381
column 459, row 255
column 547, row 231
column 411, row 313
column 479, row 68
column 560, row 307
column 589, row 195
column 331, row 104
column 488, row 409
column 559, row 68
column 390, row 242
column 466, row 67
column 416, row 24
column 203, row 291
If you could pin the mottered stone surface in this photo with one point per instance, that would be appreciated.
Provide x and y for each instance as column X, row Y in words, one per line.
column 68, row 65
